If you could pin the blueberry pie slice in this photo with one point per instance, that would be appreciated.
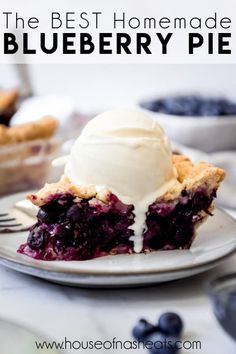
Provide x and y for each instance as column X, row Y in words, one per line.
column 123, row 192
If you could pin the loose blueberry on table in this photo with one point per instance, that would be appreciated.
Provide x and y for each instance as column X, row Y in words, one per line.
column 163, row 337
column 170, row 324
column 142, row 329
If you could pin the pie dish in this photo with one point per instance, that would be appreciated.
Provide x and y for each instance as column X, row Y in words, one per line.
column 8, row 103
column 80, row 223
column 42, row 129
column 26, row 152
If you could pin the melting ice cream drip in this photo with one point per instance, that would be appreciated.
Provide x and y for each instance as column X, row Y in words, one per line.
column 128, row 153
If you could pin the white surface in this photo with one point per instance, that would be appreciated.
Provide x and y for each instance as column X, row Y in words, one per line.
column 82, row 314
column 24, row 338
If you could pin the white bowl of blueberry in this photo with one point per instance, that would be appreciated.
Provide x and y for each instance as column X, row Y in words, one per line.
column 205, row 123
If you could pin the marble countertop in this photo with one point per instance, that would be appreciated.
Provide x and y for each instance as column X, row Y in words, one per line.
column 97, row 314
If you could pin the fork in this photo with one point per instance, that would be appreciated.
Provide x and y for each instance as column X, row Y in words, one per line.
column 18, row 218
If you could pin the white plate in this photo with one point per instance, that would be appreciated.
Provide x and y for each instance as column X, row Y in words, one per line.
column 215, row 241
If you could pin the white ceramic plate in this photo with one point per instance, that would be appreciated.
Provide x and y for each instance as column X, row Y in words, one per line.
column 215, row 241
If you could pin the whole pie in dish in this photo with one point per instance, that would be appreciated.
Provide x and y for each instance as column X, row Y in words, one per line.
column 123, row 192
column 26, row 152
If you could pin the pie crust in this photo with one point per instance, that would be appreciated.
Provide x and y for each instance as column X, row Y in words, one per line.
column 189, row 177
column 41, row 129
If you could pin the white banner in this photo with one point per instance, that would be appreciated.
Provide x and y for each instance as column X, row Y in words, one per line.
column 118, row 31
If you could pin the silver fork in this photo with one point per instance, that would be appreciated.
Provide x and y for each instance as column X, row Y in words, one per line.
column 18, row 218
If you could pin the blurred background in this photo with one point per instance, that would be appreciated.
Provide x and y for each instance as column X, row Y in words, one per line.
column 75, row 93
column 98, row 87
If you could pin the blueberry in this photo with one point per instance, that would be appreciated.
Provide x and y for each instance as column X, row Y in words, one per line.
column 210, row 108
column 151, row 105
column 159, row 343
column 170, row 323
column 63, row 230
column 36, row 237
column 229, row 108
column 192, row 106
column 75, row 212
column 142, row 329
column 45, row 217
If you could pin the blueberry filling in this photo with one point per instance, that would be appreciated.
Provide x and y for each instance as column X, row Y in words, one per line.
column 68, row 229
column 171, row 225
column 82, row 230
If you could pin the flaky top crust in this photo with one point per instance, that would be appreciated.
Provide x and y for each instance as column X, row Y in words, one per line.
column 41, row 129
column 7, row 99
column 189, row 178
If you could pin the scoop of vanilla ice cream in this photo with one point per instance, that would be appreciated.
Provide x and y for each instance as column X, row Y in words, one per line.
column 125, row 151
column 128, row 153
